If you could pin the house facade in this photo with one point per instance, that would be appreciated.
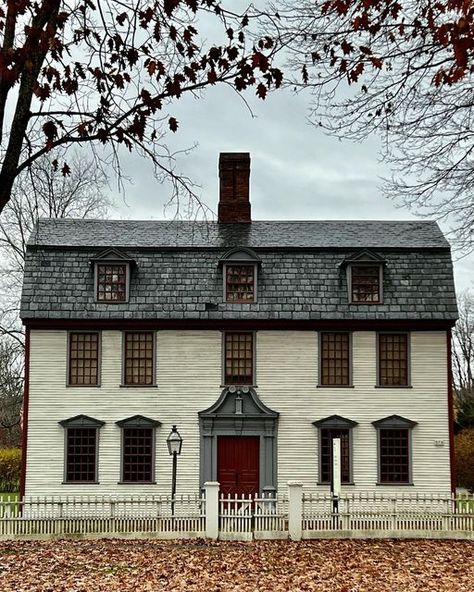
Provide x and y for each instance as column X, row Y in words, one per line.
column 261, row 341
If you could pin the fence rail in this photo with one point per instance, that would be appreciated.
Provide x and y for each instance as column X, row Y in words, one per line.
column 296, row 515
column 103, row 515
column 402, row 513
column 253, row 517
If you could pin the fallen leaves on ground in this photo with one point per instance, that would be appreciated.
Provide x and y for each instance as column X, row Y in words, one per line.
column 263, row 566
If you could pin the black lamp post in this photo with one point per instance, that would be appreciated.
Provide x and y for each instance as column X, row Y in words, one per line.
column 174, row 442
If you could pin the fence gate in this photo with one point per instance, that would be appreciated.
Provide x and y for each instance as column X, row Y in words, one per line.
column 253, row 517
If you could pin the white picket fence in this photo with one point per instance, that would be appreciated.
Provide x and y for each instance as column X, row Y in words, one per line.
column 377, row 515
column 151, row 516
column 295, row 515
column 259, row 517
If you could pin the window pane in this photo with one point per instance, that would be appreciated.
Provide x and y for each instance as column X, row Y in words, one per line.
column 81, row 447
column 240, row 283
column 394, row 456
column 112, row 283
column 365, row 283
column 334, row 359
column 393, row 359
column 83, row 359
column 327, row 436
column 137, row 462
column 238, row 358
column 139, row 358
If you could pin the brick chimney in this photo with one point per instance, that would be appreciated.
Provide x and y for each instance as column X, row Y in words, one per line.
column 234, row 200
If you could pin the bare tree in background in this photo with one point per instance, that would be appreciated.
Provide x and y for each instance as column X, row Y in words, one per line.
column 463, row 361
column 43, row 193
column 11, row 391
column 402, row 70
column 39, row 193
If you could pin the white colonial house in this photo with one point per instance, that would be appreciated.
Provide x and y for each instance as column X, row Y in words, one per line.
column 261, row 341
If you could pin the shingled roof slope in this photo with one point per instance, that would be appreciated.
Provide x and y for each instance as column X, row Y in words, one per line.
column 177, row 273
column 330, row 234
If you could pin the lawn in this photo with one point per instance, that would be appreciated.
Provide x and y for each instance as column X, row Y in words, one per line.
column 12, row 507
column 269, row 566
column 6, row 496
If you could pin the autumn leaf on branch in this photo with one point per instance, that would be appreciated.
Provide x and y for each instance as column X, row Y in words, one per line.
column 410, row 67
column 101, row 72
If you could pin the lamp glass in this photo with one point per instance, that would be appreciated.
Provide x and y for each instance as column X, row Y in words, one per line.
column 174, row 442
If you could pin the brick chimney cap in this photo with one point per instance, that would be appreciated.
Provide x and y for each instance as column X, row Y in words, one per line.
column 234, row 156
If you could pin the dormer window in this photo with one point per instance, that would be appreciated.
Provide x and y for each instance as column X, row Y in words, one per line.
column 240, row 283
column 364, row 277
column 112, row 283
column 239, row 270
column 365, row 283
column 112, row 276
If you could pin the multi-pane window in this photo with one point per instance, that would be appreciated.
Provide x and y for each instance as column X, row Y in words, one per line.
column 365, row 283
column 137, row 454
column 111, row 282
column 394, row 452
column 81, row 454
column 83, row 359
column 335, row 359
column 240, row 283
column 81, row 434
column 139, row 358
column 238, row 358
column 326, row 452
column 393, row 359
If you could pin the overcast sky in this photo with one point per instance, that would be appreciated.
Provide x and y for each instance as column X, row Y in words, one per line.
column 297, row 172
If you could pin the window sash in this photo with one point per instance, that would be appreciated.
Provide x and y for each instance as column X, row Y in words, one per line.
column 139, row 358
column 327, row 435
column 137, row 455
column 393, row 359
column 240, row 283
column 238, row 358
column 365, row 283
column 335, row 359
column 111, row 282
column 81, row 455
column 394, row 455
column 83, row 362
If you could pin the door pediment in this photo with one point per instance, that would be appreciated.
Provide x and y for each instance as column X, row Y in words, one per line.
column 238, row 401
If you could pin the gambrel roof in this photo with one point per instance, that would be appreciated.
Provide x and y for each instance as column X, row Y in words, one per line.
column 326, row 234
column 177, row 273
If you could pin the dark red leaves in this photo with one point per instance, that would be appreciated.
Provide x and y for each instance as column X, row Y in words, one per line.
column 212, row 77
column 304, row 74
column 173, row 124
column 346, row 47
column 122, row 63
column 121, row 18
column 170, row 5
column 376, row 62
column 260, row 61
column 42, row 91
column 356, row 72
column 261, row 91
column 65, row 170
column 50, row 131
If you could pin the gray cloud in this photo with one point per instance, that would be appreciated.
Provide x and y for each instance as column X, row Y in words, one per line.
column 297, row 171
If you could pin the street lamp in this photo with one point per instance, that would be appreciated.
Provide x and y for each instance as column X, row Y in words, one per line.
column 174, row 442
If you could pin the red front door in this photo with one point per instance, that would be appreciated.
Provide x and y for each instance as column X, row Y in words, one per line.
column 238, row 464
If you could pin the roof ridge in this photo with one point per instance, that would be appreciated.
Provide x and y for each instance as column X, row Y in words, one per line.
column 334, row 220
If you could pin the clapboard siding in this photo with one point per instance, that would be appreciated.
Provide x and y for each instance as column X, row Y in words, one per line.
column 189, row 380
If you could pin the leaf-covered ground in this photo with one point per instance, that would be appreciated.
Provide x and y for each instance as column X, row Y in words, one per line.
column 332, row 566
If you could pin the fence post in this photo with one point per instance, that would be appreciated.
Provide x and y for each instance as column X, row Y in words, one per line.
column 295, row 510
column 212, row 509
